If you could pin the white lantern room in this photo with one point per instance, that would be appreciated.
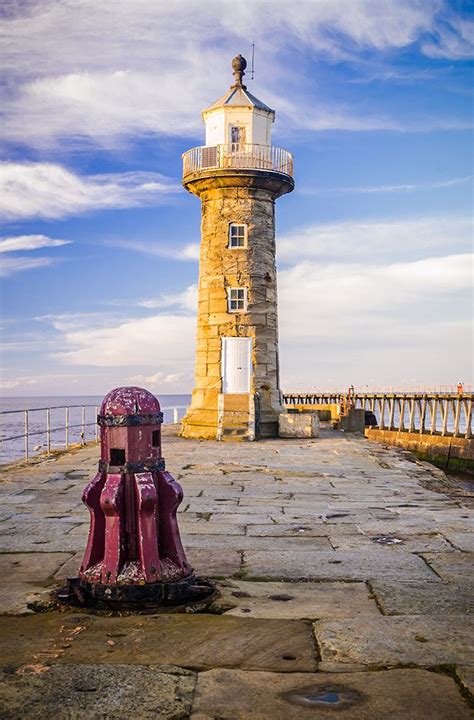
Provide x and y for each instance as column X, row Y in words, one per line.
column 238, row 117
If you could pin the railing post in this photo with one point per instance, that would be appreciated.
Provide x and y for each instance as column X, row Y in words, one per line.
column 27, row 430
column 175, row 415
column 96, row 432
column 83, row 423
column 48, row 429
column 67, row 427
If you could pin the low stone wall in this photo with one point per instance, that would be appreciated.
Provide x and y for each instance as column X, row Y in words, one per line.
column 447, row 452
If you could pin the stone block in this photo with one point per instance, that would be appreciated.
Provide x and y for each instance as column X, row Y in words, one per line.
column 234, row 402
column 354, row 421
column 298, row 425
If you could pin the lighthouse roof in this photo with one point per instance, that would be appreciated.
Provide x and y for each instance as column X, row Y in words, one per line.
column 239, row 97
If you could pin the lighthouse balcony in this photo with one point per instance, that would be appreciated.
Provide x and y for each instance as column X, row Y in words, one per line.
column 236, row 156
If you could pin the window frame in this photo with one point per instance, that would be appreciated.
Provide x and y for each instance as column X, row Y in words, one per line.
column 242, row 127
column 243, row 300
column 237, row 247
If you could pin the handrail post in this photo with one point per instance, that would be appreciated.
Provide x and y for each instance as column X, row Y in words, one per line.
column 48, row 429
column 83, row 423
column 96, row 425
column 67, row 427
column 175, row 415
column 27, row 424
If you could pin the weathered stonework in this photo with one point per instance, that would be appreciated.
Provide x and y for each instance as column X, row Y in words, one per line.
column 236, row 196
column 298, row 425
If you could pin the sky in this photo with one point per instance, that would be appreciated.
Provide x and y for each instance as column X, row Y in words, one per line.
column 99, row 240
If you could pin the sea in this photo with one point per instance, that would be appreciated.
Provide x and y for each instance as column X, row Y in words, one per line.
column 81, row 416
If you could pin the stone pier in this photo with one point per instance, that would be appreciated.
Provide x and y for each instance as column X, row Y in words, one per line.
column 345, row 573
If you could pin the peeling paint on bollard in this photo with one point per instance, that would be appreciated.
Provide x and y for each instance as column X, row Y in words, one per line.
column 134, row 552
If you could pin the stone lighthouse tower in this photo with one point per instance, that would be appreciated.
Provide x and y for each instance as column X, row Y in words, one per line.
column 238, row 175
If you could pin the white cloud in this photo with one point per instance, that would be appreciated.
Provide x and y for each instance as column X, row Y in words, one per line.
column 110, row 86
column 19, row 263
column 455, row 40
column 350, row 300
column 18, row 382
column 29, row 242
column 185, row 252
column 157, row 380
column 51, row 191
column 186, row 300
column 406, row 187
column 398, row 324
column 377, row 239
column 162, row 341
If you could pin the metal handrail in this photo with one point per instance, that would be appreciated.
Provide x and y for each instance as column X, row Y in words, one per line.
column 67, row 426
column 241, row 156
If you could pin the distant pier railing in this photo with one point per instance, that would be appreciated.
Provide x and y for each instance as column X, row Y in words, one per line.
column 239, row 156
column 75, row 425
column 445, row 414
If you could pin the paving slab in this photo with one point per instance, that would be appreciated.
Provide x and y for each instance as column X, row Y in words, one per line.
column 411, row 598
column 36, row 568
column 295, row 600
column 412, row 543
column 337, row 565
column 461, row 540
column 301, row 529
column 422, row 640
column 457, row 566
column 192, row 641
column 239, row 542
column 390, row 695
column 465, row 676
column 75, row 692
column 214, row 562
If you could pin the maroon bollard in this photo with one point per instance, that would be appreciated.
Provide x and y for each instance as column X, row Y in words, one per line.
column 134, row 553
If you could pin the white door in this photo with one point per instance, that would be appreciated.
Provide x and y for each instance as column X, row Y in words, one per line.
column 236, row 364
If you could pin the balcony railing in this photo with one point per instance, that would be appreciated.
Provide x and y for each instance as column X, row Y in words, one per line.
column 237, row 156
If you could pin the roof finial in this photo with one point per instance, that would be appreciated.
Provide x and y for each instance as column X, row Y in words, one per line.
column 239, row 64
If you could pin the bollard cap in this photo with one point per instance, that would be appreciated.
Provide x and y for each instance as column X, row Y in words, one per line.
column 129, row 401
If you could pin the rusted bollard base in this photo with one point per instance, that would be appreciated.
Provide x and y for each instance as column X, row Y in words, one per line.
column 189, row 590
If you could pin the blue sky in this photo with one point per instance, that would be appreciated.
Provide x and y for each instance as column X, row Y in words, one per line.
column 98, row 240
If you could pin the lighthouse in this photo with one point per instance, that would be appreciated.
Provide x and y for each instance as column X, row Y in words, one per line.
column 238, row 174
